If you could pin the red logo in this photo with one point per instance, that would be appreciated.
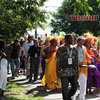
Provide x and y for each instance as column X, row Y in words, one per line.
column 82, row 18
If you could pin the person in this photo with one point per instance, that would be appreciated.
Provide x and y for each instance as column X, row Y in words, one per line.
column 83, row 59
column 98, row 53
column 75, row 37
column 67, row 60
column 25, row 49
column 41, row 43
column 97, row 70
column 3, row 69
column 43, row 57
column 50, row 75
column 40, row 66
column 62, row 41
column 22, row 58
column 90, row 76
column 14, row 59
column 34, row 54
column 8, row 53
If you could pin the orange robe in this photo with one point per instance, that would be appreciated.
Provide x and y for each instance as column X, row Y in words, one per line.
column 50, row 75
column 85, row 60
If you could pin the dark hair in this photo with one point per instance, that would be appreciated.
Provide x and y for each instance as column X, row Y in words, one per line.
column 67, row 37
column 16, row 41
column 53, row 41
column 39, row 38
column 2, row 43
column 78, row 40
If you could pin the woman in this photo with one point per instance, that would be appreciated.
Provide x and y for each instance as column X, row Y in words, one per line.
column 3, row 69
column 50, row 75
column 90, row 78
column 98, row 53
column 98, row 66
column 93, row 74
column 43, row 56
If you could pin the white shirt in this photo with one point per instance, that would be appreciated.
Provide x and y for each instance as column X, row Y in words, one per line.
column 80, row 54
column 25, row 47
column 3, row 63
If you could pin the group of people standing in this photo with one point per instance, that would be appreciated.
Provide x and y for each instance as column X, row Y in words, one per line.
column 61, row 63
column 69, row 63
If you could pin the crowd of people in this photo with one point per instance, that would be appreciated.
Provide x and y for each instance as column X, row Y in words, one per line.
column 68, row 64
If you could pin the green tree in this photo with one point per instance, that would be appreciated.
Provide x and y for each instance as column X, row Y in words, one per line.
column 18, row 16
column 76, row 7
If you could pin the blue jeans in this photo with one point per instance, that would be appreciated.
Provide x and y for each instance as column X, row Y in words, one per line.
column 67, row 94
column 43, row 66
column 15, row 64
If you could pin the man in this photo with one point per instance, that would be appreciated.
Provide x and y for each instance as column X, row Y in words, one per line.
column 67, row 60
column 14, row 59
column 25, row 49
column 34, row 53
column 84, row 58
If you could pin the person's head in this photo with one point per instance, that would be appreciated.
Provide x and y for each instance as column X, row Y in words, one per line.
column 39, row 38
column 62, row 41
column 88, row 44
column 80, row 40
column 54, row 42
column 2, row 44
column 22, row 42
column 29, row 39
column 47, row 42
column 40, row 43
column 75, row 37
column 16, row 43
column 35, row 42
column 68, row 39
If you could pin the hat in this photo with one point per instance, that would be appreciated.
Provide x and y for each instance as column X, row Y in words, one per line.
column 81, row 37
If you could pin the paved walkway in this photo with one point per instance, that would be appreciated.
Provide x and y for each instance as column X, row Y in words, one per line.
column 36, row 89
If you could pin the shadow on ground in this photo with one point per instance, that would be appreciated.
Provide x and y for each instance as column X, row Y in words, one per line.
column 39, row 91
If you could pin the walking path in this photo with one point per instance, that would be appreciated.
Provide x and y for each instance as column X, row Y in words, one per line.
column 36, row 89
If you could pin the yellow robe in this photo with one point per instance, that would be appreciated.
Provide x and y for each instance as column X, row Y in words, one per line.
column 50, row 75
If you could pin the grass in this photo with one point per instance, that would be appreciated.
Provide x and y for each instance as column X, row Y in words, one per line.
column 24, row 98
column 13, row 87
column 17, row 92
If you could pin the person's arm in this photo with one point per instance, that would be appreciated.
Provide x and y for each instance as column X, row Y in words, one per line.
column 49, row 51
column 29, row 53
column 9, row 50
column 89, row 59
column 95, row 53
column 28, row 58
column 2, row 55
column 77, row 65
column 42, row 52
column 57, row 58
column 23, row 53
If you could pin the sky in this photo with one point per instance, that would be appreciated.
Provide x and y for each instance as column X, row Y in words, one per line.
column 50, row 5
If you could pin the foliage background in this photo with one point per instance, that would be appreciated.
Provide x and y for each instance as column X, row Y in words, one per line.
column 18, row 16
column 76, row 7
